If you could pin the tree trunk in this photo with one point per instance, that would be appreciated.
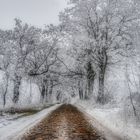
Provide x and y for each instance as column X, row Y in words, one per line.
column 102, row 70
column 50, row 91
column 90, row 80
column 17, row 83
column 86, row 93
column 44, row 92
column 4, row 96
column 100, row 97
column 80, row 90
column 58, row 97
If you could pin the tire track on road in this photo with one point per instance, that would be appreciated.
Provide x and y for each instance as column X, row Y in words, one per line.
column 64, row 123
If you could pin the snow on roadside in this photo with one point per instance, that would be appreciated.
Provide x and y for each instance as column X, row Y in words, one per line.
column 111, row 119
column 14, row 129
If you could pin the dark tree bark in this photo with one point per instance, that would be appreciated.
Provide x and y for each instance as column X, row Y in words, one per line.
column 44, row 92
column 102, row 69
column 5, row 93
column 80, row 90
column 58, row 97
column 17, row 84
column 100, row 97
column 90, row 80
column 51, row 88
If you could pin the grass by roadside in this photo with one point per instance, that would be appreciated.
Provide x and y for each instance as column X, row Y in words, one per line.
column 25, row 111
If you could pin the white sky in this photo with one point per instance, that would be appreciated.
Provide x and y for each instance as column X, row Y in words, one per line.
column 35, row 12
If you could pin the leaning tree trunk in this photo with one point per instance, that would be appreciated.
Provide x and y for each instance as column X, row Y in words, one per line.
column 17, row 84
column 102, row 70
column 59, row 96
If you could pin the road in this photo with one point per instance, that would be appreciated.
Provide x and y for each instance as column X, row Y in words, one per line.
column 64, row 123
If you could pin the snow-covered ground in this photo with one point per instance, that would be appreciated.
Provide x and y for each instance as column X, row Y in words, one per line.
column 12, row 127
column 112, row 119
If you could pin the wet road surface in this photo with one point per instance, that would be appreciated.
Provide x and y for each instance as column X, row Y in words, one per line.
column 64, row 123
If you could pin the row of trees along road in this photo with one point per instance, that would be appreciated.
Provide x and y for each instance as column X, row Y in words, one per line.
column 98, row 34
column 30, row 52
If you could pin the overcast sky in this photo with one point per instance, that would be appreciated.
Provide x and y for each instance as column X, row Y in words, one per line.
column 35, row 12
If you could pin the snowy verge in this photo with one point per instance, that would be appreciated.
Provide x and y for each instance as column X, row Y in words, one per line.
column 15, row 129
column 109, row 121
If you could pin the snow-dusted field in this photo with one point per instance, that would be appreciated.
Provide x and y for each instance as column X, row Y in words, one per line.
column 12, row 127
column 111, row 119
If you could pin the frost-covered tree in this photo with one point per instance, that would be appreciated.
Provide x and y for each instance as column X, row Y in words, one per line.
column 6, row 50
column 103, row 27
column 29, row 52
column 24, row 37
column 43, row 61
